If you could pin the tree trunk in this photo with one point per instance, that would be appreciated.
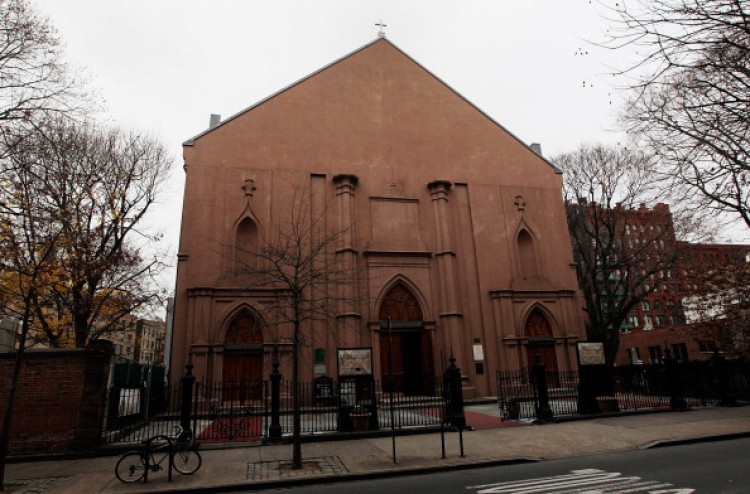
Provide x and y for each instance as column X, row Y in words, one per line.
column 7, row 420
column 296, row 425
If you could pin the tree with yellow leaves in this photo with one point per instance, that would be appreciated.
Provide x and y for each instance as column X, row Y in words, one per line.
column 92, row 187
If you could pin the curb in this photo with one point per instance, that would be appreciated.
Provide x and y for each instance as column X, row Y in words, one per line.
column 349, row 477
column 423, row 470
column 696, row 440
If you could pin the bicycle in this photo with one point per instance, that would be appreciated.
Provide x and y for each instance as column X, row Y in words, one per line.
column 179, row 450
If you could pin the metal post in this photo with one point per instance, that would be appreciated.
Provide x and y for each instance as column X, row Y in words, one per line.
column 442, row 437
column 543, row 410
column 674, row 379
column 187, row 383
column 392, row 386
column 461, row 441
column 455, row 395
column 274, row 430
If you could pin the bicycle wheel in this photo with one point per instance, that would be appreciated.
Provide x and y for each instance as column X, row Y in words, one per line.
column 187, row 461
column 131, row 467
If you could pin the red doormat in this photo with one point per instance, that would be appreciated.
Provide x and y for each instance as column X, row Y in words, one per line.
column 480, row 421
column 226, row 429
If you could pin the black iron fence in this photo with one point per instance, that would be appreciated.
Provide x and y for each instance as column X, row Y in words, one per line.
column 241, row 411
column 518, row 392
column 128, row 408
column 625, row 388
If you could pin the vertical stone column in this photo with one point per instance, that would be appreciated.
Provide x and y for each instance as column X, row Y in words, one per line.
column 450, row 315
column 348, row 317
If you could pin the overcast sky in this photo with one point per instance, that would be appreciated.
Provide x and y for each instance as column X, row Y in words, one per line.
column 164, row 66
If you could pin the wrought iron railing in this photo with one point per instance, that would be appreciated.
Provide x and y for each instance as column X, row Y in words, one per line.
column 241, row 411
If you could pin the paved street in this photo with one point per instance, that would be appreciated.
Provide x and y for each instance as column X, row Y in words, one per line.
column 618, row 448
column 712, row 468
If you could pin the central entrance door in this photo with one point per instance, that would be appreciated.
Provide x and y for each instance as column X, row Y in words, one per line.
column 405, row 350
column 242, row 370
column 541, row 342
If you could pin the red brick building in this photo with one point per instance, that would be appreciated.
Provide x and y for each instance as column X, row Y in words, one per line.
column 659, row 322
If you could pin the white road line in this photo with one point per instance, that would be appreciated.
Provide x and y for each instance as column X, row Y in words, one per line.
column 587, row 481
column 574, row 475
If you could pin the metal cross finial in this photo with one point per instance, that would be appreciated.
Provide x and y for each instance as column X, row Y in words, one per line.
column 381, row 25
column 249, row 187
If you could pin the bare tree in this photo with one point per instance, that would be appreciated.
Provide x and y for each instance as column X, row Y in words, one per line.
column 27, row 246
column 33, row 79
column 34, row 83
column 691, row 94
column 295, row 255
column 717, row 304
column 94, row 186
column 618, row 246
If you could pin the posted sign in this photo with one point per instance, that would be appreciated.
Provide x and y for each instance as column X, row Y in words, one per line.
column 591, row 353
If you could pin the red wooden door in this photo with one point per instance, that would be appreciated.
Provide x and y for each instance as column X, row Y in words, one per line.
column 547, row 354
column 242, row 369
column 407, row 356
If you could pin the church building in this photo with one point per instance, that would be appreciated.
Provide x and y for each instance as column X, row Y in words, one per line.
column 453, row 228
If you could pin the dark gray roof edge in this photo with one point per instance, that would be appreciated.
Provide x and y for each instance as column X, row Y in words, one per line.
column 191, row 141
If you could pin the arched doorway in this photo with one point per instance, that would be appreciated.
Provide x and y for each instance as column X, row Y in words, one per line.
column 242, row 370
column 405, row 351
column 541, row 341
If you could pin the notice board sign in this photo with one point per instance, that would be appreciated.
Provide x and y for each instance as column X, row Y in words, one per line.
column 355, row 361
column 591, row 353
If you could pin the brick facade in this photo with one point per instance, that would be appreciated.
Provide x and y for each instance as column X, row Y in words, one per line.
column 60, row 402
column 439, row 208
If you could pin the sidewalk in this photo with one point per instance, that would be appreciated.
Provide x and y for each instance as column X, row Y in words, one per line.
column 363, row 458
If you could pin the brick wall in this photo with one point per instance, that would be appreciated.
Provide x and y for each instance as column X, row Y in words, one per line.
column 60, row 399
column 659, row 337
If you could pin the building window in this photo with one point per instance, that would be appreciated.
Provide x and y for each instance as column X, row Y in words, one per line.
column 527, row 255
column 670, row 304
column 319, row 361
column 680, row 352
column 645, row 305
column 660, row 320
column 634, row 321
column 654, row 353
column 657, row 305
column 707, row 346
column 635, row 356
column 648, row 323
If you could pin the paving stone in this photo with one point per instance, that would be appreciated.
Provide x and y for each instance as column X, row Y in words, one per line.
column 282, row 469
column 36, row 486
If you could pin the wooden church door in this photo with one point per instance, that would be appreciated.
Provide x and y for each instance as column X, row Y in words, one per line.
column 405, row 357
column 541, row 342
column 242, row 370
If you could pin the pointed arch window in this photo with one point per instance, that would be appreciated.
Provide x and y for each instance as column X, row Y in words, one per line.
column 400, row 304
column 527, row 255
column 537, row 326
column 245, row 244
column 244, row 330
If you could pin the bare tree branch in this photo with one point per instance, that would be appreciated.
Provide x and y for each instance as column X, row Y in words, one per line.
column 95, row 186
column 691, row 95
column 619, row 246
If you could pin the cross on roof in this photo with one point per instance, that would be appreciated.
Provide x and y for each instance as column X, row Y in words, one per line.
column 381, row 26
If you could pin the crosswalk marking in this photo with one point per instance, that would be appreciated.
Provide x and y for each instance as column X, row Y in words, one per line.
column 586, row 481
